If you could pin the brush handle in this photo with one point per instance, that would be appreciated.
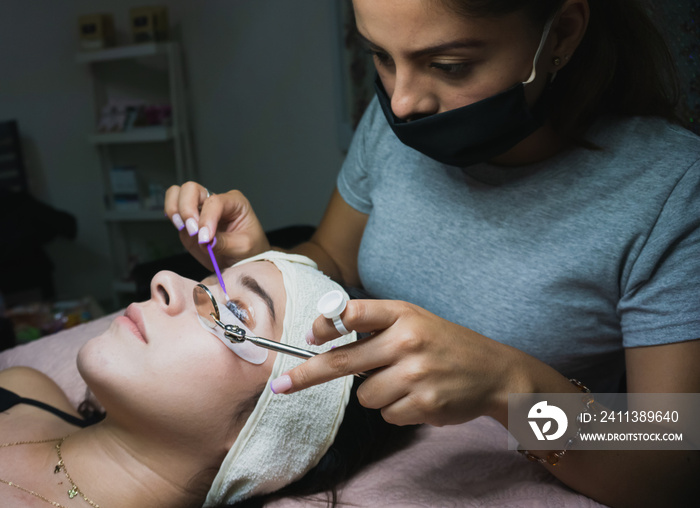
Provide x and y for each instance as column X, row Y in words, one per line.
column 210, row 248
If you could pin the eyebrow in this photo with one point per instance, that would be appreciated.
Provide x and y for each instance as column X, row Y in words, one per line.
column 438, row 48
column 252, row 284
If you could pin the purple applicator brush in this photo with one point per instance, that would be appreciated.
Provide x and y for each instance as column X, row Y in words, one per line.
column 210, row 248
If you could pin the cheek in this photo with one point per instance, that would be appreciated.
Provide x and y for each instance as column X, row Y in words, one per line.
column 212, row 383
column 204, row 365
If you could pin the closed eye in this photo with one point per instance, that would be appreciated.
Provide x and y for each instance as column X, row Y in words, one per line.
column 238, row 311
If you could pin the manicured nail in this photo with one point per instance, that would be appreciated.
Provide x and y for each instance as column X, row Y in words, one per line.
column 192, row 226
column 203, row 235
column 281, row 384
column 177, row 222
column 310, row 338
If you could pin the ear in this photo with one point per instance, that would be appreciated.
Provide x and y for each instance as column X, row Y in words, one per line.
column 567, row 31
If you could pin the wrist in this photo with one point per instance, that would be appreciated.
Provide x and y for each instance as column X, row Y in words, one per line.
column 517, row 376
column 523, row 373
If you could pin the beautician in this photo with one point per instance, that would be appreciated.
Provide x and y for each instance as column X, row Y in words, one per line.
column 521, row 200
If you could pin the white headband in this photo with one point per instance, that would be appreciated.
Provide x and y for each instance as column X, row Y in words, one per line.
column 286, row 435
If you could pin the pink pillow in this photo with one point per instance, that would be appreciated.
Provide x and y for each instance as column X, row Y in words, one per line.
column 56, row 354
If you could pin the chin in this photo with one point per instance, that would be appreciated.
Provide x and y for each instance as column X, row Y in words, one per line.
column 90, row 361
column 100, row 372
column 100, row 362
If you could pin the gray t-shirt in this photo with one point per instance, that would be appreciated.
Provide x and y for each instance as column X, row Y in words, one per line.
column 569, row 260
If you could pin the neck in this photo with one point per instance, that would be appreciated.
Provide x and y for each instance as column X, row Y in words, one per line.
column 136, row 470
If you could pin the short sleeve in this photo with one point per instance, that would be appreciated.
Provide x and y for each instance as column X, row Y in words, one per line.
column 354, row 178
column 660, row 300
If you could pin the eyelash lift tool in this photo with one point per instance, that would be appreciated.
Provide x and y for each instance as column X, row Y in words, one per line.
column 208, row 311
column 233, row 332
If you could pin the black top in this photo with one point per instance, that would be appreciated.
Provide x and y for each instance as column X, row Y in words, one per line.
column 9, row 399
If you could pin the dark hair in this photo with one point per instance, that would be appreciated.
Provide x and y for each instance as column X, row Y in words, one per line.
column 622, row 66
column 90, row 411
column 363, row 437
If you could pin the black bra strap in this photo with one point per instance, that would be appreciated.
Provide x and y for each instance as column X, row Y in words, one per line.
column 61, row 414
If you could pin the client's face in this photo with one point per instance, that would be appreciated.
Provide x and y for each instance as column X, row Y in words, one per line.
column 159, row 365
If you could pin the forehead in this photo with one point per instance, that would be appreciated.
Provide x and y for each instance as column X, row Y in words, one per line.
column 259, row 269
column 414, row 24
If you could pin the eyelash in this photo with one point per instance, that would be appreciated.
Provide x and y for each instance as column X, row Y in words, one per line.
column 381, row 58
column 456, row 69
column 451, row 70
column 240, row 313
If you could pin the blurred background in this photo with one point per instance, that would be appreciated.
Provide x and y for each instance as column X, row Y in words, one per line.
column 111, row 104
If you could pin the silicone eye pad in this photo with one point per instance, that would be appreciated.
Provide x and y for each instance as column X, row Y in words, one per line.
column 246, row 350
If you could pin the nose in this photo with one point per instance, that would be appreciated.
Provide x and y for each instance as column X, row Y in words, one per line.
column 169, row 290
column 411, row 97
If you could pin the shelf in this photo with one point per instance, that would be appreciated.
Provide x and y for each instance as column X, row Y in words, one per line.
column 149, row 73
column 137, row 135
column 136, row 215
column 120, row 52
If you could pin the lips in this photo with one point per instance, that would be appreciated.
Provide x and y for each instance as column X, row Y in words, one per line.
column 134, row 319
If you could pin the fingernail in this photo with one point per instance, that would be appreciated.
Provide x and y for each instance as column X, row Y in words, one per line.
column 310, row 339
column 203, row 235
column 281, row 384
column 192, row 226
column 177, row 222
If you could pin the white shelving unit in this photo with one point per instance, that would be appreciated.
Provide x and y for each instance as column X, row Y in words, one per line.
column 138, row 135
column 150, row 73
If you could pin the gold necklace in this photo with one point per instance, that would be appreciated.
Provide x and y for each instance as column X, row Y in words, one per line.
column 35, row 494
column 72, row 492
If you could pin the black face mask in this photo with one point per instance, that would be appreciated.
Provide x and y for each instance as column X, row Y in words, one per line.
column 474, row 133
column 470, row 134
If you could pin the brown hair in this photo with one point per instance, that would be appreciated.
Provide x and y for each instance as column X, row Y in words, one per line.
column 622, row 66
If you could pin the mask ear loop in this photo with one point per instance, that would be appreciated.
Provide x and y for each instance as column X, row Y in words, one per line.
column 545, row 34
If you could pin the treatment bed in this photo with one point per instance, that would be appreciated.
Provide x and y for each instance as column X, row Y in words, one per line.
column 454, row 466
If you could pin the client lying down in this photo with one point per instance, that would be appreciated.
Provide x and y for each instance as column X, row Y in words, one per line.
column 188, row 423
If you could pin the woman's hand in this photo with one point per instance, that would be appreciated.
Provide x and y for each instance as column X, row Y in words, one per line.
column 199, row 217
column 425, row 369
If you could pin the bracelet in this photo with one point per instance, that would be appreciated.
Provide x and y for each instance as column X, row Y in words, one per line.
column 553, row 458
